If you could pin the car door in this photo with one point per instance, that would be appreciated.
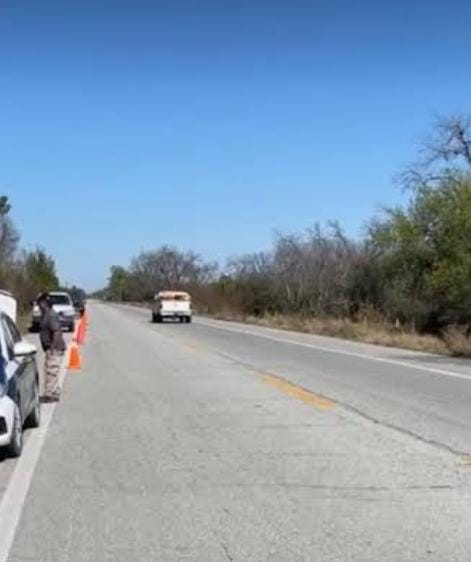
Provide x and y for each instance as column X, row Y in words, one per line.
column 23, row 368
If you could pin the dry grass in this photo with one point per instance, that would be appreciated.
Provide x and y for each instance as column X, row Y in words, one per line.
column 455, row 341
column 458, row 341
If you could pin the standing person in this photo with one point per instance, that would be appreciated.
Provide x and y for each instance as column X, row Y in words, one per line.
column 53, row 345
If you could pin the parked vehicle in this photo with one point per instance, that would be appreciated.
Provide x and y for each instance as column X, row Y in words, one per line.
column 19, row 385
column 79, row 298
column 62, row 304
column 79, row 306
column 172, row 304
column 8, row 304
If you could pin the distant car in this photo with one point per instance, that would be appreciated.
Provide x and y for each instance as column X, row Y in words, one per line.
column 62, row 304
column 19, row 387
column 172, row 304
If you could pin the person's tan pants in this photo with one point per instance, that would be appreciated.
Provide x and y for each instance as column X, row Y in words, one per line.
column 52, row 369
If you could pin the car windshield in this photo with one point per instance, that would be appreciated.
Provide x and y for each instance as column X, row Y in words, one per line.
column 60, row 299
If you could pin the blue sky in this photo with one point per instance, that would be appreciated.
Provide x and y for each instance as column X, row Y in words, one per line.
column 210, row 124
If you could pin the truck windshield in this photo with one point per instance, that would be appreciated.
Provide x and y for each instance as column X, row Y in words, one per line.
column 60, row 299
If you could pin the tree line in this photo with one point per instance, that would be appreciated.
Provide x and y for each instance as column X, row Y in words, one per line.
column 22, row 272
column 412, row 268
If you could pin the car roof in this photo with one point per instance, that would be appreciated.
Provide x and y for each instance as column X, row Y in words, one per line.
column 8, row 304
column 6, row 293
column 59, row 293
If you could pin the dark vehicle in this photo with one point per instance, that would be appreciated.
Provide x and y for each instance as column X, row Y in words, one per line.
column 79, row 305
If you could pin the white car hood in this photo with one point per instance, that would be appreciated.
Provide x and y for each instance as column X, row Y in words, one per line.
column 61, row 308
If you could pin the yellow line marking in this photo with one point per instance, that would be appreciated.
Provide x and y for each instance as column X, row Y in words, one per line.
column 298, row 392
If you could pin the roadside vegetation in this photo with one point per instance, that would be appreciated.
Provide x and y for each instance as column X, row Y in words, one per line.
column 406, row 283
column 22, row 272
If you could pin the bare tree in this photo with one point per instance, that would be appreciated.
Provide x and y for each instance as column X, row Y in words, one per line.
column 246, row 287
column 167, row 268
column 312, row 271
column 451, row 142
column 443, row 156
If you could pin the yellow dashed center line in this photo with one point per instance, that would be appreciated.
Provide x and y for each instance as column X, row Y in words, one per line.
column 279, row 383
column 298, row 392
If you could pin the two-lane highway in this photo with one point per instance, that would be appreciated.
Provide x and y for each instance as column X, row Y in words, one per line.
column 423, row 394
column 223, row 442
column 426, row 395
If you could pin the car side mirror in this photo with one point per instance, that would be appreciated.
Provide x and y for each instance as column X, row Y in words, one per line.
column 24, row 349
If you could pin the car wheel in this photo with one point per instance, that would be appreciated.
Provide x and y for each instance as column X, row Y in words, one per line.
column 154, row 318
column 34, row 418
column 15, row 447
column 188, row 319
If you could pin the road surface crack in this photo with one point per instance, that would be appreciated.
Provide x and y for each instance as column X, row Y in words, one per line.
column 227, row 553
column 353, row 409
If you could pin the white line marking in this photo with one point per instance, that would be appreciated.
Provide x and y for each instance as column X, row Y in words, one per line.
column 14, row 497
column 11, row 505
column 216, row 325
column 443, row 372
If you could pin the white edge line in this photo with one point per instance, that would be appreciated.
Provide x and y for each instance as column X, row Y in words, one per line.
column 216, row 325
column 14, row 497
column 443, row 372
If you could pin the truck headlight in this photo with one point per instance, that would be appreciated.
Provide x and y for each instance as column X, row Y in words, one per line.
column 67, row 313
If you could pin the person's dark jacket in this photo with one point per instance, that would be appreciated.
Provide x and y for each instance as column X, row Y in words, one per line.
column 50, row 332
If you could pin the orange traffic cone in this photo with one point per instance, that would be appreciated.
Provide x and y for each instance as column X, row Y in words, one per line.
column 80, row 338
column 75, row 363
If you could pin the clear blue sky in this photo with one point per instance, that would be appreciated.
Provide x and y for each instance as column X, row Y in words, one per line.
column 209, row 124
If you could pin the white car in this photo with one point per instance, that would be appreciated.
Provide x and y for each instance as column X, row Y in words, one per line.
column 172, row 304
column 19, row 387
column 64, row 307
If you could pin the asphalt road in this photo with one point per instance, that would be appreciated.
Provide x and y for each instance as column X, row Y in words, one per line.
column 7, row 466
column 223, row 442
